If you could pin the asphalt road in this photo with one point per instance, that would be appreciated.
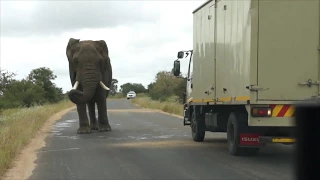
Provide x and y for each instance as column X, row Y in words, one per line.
column 150, row 145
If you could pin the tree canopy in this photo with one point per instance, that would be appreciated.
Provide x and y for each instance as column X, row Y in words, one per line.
column 167, row 85
column 114, row 87
column 136, row 87
column 43, row 77
column 36, row 89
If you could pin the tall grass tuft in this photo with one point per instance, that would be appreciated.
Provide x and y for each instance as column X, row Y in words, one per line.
column 169, row 107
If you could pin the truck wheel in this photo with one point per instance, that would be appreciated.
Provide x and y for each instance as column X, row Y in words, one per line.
column 197, row 128
column 234, row 127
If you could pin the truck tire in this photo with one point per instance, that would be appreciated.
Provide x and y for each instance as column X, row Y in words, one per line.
column 234, row 127
column 197, row 127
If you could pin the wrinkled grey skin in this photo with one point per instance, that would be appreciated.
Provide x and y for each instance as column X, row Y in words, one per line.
column 89, row 63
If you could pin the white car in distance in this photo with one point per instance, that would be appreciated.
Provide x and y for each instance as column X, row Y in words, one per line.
column 131, row 94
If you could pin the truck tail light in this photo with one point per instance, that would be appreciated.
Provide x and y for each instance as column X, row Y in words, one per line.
column 261, row 112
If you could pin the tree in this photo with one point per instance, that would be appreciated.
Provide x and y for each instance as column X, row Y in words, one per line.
column 163, row 87
column 136, row 87
column 43, row 77
column 180, row 89
column 167, row 85
column 36, row 89
column 114, row 87
column 6, row 78
column 22, row 93
column 150, row 86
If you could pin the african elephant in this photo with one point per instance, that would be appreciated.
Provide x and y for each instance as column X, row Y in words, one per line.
column 91, row 75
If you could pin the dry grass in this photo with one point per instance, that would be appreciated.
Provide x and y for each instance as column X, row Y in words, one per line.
column 120, row 96
column 18, row 126
column 116, row 96
column 169, row 107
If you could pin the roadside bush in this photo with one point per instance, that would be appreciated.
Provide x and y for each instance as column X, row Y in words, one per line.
column 22, row 94
column 167, row 86
column 36, row 89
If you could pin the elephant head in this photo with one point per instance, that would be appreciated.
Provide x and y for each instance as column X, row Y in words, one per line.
column 89, row 68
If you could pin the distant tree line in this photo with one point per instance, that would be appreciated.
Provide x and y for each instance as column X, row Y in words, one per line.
column 38, row 88
column 35, row 89
column 136, row 87
column 166, row 86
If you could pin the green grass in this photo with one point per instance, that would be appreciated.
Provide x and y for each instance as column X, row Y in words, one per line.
column 169, row 106
column 18, row 126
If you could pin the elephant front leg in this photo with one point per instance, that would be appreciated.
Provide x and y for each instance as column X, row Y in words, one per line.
column 83, row 119
column 92, row 116
column 103, row 117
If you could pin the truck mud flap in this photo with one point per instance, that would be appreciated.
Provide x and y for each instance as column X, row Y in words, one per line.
column 186, row 121
column 268, row 139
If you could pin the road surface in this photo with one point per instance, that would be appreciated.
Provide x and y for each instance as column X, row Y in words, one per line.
column 150, row 145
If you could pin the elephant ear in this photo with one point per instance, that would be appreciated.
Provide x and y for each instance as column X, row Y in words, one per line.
column 70, row 50
column 70, row 47
column 103, row 50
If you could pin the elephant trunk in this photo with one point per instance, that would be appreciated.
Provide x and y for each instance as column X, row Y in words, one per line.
column 89, row 81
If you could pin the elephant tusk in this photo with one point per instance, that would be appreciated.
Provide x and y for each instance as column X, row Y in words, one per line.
column 104, row 86
column 75, row 86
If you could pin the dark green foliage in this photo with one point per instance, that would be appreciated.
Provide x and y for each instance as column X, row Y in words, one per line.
column 37, row 89
column 136, row 87
column 180, row 89
column 43, row 77
column 23, row 93
column 114, row 87
column 165, row 87
column 6, row 78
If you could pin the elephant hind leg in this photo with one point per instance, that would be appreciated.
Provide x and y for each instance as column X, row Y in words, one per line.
column 92, row 116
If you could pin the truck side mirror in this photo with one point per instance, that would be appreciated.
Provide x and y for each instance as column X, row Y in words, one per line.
column 180, row 54
column 176, row 68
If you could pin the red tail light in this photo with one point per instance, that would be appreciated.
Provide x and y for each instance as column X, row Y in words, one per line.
column 261, row 112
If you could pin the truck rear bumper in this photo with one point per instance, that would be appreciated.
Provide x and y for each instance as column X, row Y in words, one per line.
column 270, row 139
column 272, row 121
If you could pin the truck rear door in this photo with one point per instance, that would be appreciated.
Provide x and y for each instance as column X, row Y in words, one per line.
column 288, row 49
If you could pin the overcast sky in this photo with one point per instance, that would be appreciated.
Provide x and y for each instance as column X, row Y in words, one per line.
column 143, row 36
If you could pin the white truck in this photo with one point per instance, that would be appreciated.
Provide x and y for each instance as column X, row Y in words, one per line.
column 252, row 60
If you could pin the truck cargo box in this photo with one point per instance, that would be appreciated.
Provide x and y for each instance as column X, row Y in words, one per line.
column 256, row 50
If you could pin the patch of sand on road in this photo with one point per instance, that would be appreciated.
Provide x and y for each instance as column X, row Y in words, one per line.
column 144, row 110
column 133, row 110
column 24, row 162
column 168, row 144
